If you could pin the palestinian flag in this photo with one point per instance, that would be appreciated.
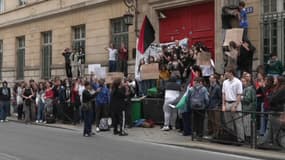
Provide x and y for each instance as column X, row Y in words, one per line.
column 147, row 35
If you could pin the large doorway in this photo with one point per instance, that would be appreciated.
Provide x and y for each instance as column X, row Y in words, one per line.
column 195, row 22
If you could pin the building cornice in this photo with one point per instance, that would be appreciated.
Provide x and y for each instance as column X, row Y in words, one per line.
column 57, row 11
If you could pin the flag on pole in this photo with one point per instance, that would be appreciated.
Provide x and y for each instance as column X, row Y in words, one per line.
column 147, row 35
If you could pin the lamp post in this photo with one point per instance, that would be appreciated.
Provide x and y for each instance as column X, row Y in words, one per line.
column 131, row 14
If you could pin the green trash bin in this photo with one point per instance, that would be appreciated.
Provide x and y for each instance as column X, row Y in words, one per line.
column 136, row 108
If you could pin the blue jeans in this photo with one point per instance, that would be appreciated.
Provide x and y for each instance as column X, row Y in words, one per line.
column 40, row 115
column 4, row 109
column 112, row 66
column 87, row 122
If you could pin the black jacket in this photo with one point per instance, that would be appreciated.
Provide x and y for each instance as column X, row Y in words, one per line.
column 5, row 96
column 277, row 101
column 118, row 102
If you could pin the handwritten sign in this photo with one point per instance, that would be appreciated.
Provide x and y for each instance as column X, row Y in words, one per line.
column 234, row 34
column 149, row 71
column 92, row 67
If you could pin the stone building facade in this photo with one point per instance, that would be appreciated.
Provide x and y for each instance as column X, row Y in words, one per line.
column 34, row 33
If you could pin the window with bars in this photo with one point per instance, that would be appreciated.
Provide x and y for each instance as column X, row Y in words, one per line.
column 270, row 38
column 20, row 57
column 46, row 54
column 120, row 32
column 1, row 58
column 78, row 38
column 269, row 6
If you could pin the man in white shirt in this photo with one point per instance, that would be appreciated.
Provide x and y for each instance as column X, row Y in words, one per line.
column 112, row 58
column 232, row 91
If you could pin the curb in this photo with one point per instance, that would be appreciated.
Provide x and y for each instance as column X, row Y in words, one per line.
column 45, row 125
column 241, row 153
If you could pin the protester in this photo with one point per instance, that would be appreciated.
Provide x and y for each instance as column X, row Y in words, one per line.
column 232, row 56
column 75, row 101
column 112, row 57
column 67, row 59
column 102, row 102
column 49, row 108
column 215, row 101
column 199, row 101
column 274, row 66
column 243, row 21
column 172, row 91
column 74, row 62
column 117, row 105
column 40, row 101
column 276, row 105
column 248, row 100
column 20, row 89
column 28, row 100
column 87, row 97
column 81, row 61
column 5, row 96
column 123, row 59
column 164, row 76
column 245, row 57
column 232, row 91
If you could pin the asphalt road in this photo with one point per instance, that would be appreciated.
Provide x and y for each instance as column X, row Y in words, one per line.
column 30, row 142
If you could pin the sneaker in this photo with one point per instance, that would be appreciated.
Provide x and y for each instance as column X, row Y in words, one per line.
column 165, row 128
column 45, row 122
column 97, row 129
column 37, row 121
column 41, row 121
column 85, row 135
column 2, row 121
column 6, row 120
column 172, row 106
column 123, row 134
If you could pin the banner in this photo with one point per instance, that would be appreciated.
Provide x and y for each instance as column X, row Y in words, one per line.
column 235, row 35
column 153, row 50
column 111, row 76
column 150, row 71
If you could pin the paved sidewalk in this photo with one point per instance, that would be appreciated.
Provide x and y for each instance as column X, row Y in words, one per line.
column 154, row 135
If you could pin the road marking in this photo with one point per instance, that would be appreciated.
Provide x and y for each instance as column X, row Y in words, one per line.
column 4, row 156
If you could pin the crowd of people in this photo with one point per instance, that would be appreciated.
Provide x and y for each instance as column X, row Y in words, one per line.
column 76, row 101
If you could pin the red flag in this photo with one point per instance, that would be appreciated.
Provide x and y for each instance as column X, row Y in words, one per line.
column 147, row 35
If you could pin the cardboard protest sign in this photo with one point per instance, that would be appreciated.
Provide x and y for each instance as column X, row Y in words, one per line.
column 150, row 71
column 234, row 34
column 111, row 76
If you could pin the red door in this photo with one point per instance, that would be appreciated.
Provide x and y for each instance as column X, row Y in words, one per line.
column 195, row 22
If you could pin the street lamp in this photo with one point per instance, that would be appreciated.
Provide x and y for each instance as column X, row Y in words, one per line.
column 128, row 18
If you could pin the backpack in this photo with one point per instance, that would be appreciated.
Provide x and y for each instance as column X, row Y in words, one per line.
column 104, row 125
column 197, row 99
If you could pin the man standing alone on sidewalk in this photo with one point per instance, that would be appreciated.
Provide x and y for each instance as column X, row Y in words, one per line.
column 232, row 91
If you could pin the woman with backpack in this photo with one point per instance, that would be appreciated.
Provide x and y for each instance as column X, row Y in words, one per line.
column 102, row 101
